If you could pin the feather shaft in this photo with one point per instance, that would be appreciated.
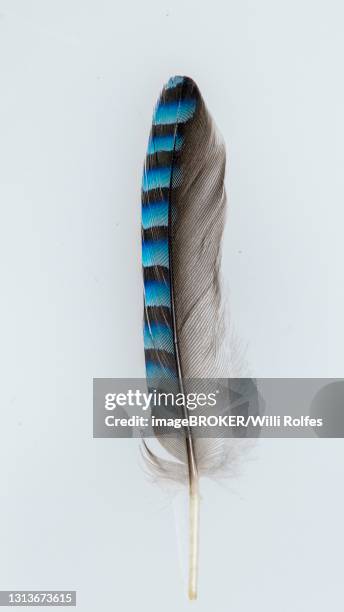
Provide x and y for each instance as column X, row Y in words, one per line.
column 194, row 503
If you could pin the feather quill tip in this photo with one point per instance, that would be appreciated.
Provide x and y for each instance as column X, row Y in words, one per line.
column 192, row 595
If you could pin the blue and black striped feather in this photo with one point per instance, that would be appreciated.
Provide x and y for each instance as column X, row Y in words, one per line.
column 176, row 107
column 183, row 214
column 183, row 210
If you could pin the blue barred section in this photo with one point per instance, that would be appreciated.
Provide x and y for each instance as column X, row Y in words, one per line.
column 162, row 174
column 157, row 293
column 155, row 214
column 171, row 142
column 157, row 370
column 158, row 336
column 174, row 81
column 157, row 178
column 155, row 253
column 174, row 112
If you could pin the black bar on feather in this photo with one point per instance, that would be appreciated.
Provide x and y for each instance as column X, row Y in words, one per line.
column 159, row 159
column 159, row 356
column 154, row 195
column 156, row 273
column 158, row 314
column 155, row 233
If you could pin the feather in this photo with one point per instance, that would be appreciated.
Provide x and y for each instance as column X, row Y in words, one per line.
column 183, row 215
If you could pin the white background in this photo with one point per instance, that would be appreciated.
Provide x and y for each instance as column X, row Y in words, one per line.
column 78, row 83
